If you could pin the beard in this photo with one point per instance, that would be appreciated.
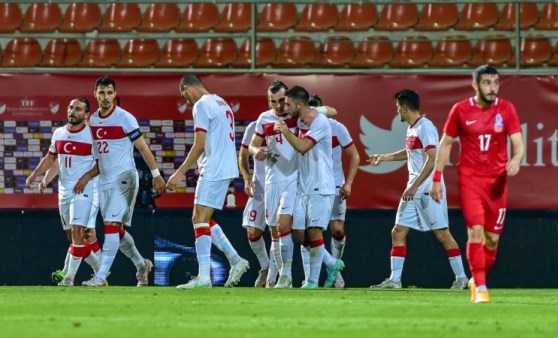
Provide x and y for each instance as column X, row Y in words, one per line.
column 485, row 99
column 76, row 121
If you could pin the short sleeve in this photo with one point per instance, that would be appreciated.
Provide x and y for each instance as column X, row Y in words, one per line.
column 451, row 128
column 319, row 129
column 248, row 133
column 52, row 148
column 514, row 125
column 345, row 139
column 201, row 117
column 428, row 136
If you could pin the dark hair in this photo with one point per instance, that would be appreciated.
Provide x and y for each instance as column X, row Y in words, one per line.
column 190, row 80
column 482, row 70
column 276, row 86
column 298, row 93
column 315, row 101
column 104, row 82
column 84, row 101
column 409, row 98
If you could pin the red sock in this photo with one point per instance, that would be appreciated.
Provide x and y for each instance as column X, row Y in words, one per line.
column 475, row 257
column 489, row 258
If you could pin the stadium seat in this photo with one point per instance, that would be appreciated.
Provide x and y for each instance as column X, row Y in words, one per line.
column 477, row 16
column 62, row 53
column 10, row 17
column 121, row 17
column 536, row 50
column 373, row 51
column 317, row 18
column 296, row 51
column 452, row 51
column 266, row 52
column 357, row 17
column 81, row 18
column 160, row 17
column 236, row 17
column 41, row 18
column 277, row 17
column 528, row 16
column 548, row 18
column 217, row 52
column 178, row 53
column 412, row 51
column 101, row 53
column 336, row 51
column 139, row 53
column 199, row 17
column 397, row 17
column 22, row 52
column 437, row 17
column 492, row 49
column 554, row 59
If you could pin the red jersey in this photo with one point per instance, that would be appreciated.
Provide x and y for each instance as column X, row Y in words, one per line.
column 483, row 135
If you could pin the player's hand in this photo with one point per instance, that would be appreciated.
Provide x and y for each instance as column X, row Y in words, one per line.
column 159, row 184
column 81, row 184
column 376, row 159
column 345, row 191
column 512, row 168
column 42, row 187
column 29, row 181
column 436, row 191
column 249, row 188
column 173, row 181
column 409, row 193
column 261, row 155
column 310, row 117
column 280, row 126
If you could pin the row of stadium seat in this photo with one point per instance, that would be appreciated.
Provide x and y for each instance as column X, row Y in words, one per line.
column 236, row 17
column 296, row 51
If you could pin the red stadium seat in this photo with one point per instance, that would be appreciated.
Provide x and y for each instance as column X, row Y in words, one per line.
column 178, row 53
column 492, row 49
column 296, row 51
column 277, row 17
column 81, row 18
column 101, row 53
column 554, row 60
column 236, row 17
column 357, row 17
column 22, row 52
column 140, row 53
column 121, row 17
column 317, row 18
column 266, row 52
column 373, row 51
column 528, row 16
column 536, row 50
column 549, row 17
column 413, row 51
column 477, row 16
column 437, row 17
column 199, row 17
column 452, row 51
column 62, row 53
column 217, row 52
column 336, row 51
column 41, row 18
column 10, row 17
column 397, row 17
column 160, row 17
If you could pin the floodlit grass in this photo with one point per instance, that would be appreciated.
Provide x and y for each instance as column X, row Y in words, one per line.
column 247, row 312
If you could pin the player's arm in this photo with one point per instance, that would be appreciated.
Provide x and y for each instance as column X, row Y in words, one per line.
column 44, row 165
column 425, row 172
column 49, row 176
column 158, row 180
column 243, row 164
column 442, row 156
column 255, row 149
column 328, row 111
column 302, row 145
column 518, row 150
column 377, row 159
column 195, row 152
column 80, row 185
column 354, row 161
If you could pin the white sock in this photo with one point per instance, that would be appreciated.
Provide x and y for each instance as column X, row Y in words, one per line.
column 94, row 260
column 258, row 247
column 274, row 253
column 220, row 240
column 110, row 248
column 203, row 251
column 67, row 261
column 396, row 268
column 305, row 253
column 316, row 257
column 328, row 259
column 338, row 247
column 287, row 247
column 457, row 266
column 128, row 248
column 75, row 261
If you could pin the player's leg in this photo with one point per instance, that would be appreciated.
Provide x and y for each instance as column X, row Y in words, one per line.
column 274, row 258
column 257, row 244
column 338, row 235
column 64, row 209
column 93, row 254
column 77, row 253
column 495, row 217
column 238, row 264
column 287, row 197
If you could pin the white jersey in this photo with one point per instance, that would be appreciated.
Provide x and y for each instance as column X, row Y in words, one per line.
column 421, row 136
column 213, row 116
column 281, row 163
column 341, row 139
column 114, row 135
column 74, row 150
column 316, row 167
column 259, row 166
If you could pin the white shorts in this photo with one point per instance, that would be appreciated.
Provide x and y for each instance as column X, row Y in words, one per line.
column 423, row 213
column 339, row 208
column 312, row 211
column 117, row 201
column 212, row 194
column 254, row 213
column 79, row 211
column 279, row 200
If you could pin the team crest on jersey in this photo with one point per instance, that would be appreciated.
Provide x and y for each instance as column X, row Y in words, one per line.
column 498, row 123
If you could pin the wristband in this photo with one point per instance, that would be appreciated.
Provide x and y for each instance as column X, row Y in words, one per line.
column 437, row 177
column 155, row 173
column 322, row 110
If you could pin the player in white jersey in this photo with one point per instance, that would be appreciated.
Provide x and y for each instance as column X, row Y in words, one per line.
column 72, row 144
column 115, row 132
column 417, row 210
column 214, row 137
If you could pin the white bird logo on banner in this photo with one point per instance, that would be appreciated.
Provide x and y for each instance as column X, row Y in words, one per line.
column 54, row 106
column 181, row 107
column 382, row 141
column 2, row 108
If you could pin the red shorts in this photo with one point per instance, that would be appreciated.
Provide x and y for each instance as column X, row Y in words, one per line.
column 483, row 201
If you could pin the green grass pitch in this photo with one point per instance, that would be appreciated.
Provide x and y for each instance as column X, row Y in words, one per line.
column 247, row 312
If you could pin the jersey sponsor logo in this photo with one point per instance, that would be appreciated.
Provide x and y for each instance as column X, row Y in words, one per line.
column 377, row 140
column 108, row 133
column 73, row 148
column 470, row 122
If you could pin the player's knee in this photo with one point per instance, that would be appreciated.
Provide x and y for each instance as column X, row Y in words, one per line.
column 90, row 235
column 253, row 232
column 299, row 236
column 491, row 240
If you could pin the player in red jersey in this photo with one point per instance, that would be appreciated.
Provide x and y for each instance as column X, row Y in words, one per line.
column 483, row 124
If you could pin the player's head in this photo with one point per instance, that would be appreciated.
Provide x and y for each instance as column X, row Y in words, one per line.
column 78, row 111
column 407, row 101
column 315, row 101
column 188, row 83
column 486, row 82
column 276, row 96
column 296, row 98
column 105, row 92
